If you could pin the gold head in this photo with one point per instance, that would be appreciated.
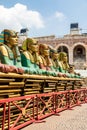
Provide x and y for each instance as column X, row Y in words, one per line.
column 44, row 49
column 10, row 37
column 30, row 44
column 63, row 60
column 62, row 56
column 54, row 54
column 44, row 52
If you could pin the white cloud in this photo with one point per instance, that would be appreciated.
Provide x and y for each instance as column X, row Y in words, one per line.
column 60, row 15
column 18, row 17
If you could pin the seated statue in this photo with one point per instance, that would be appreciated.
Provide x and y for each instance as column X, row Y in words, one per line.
column 63, row 63
column 54, row 59
column 64, row 66
column 30, row 57
column 9, row 52
column 46, row 62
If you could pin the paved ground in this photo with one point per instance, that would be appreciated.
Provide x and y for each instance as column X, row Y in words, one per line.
column 75, row 119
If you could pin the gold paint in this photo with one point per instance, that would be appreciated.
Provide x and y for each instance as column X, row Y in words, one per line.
column 23, row 111
column 3, row 50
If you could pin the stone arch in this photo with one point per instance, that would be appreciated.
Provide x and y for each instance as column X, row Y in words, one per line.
column 78, row 43
column 62, row 44
column 79, row 55
column 62, row 47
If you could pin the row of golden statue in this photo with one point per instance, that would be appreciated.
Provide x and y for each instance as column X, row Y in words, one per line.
column 33, row 58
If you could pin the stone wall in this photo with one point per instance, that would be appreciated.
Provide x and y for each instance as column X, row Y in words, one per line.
column 70, row 42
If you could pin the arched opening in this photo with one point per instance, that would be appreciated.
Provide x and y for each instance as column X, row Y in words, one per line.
column 62, row 49
column 79, row 56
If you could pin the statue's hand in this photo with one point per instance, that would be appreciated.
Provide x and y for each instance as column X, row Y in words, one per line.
column 20, row 70
column 62, row 74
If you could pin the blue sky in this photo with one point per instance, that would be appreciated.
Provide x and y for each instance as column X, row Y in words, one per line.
column 43, row 17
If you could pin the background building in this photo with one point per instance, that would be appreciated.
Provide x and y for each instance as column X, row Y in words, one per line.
column 74, row 44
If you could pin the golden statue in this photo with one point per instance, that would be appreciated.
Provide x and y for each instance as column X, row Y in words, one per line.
column 65, row 67
column 46, row 62
column 30, row 57
column 63, row 62
column 9, row 51
column 54, row 59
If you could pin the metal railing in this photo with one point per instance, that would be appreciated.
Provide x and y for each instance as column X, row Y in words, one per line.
column 18, row 112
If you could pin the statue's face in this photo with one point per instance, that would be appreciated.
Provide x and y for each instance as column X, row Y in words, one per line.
column 55, row 56
column 46, row 52
column 65, row 58
column 13, row 40
column 34, row 47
